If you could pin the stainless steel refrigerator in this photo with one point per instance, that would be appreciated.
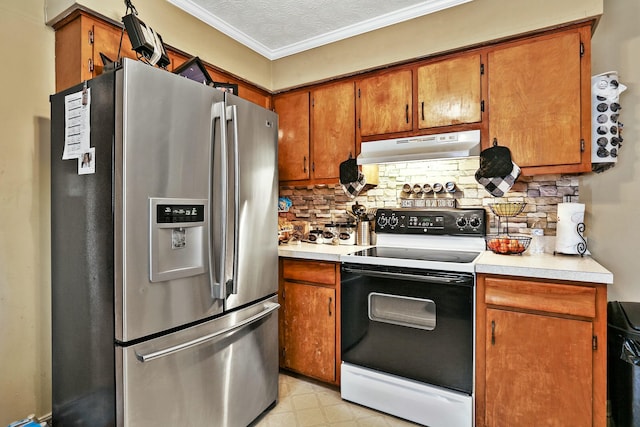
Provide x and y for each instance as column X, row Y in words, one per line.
column 164, row 255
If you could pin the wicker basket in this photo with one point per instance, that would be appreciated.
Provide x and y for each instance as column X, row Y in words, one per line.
column 507, row 209
column 507, row 245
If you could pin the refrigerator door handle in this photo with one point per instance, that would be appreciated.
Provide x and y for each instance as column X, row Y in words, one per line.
column 219, row 176
column 233, row 114
column 270, row 308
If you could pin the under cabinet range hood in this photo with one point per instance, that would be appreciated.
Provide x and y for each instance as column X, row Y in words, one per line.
column 427, row 147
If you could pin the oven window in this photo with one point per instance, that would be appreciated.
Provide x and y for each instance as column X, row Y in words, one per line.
column 403, row 311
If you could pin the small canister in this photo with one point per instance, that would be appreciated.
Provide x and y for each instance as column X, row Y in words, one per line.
column 330, row 233
column 363, row 236
column 347, row 234
column 315, row 236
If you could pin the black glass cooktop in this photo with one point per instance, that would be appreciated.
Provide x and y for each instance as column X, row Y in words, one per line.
column 419, row 254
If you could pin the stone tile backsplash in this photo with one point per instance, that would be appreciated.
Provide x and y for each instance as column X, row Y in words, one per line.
column 320, row 204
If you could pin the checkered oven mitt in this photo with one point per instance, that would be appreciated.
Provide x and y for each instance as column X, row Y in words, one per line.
column 352, row 180
column 497, row 186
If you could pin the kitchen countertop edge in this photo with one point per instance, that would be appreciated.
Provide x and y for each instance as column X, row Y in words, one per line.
column 544, row 266
column 312, row 251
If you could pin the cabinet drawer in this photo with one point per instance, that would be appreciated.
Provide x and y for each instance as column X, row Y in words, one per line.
column 541, row 296
column 310, row 271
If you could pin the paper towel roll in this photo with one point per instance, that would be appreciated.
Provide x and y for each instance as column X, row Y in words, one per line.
column 568, row 239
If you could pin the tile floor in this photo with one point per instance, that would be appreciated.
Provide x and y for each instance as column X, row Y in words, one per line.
column 305, row 403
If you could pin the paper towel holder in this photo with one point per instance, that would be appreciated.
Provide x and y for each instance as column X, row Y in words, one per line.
column 581, row 247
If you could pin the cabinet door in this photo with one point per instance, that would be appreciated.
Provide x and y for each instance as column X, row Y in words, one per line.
column 538, row 370
column 106, row 40
column 333, row 128
column 293, row 135
column 449, row 92
column 310, row 330
column 385, row 103
column 535, row 100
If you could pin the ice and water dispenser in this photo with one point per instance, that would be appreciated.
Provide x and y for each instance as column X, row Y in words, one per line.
column 178, row 233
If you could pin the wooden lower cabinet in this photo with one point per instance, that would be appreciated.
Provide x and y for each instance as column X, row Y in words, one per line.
column 540, row 352
column 309, row 318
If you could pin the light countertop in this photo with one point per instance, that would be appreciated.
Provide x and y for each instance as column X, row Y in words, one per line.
column 318, row 252
column 543, row 266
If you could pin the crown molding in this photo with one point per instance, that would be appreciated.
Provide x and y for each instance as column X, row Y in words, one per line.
column 382, row 21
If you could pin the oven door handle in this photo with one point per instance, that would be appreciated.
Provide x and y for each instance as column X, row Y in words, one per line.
column 430, row 278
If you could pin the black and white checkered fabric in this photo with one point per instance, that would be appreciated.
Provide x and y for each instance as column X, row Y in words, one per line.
column 498, row 186
column 352, row 189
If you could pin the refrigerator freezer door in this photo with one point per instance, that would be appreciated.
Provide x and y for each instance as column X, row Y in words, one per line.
column 253, row 227
column 223, row 372
column 163, row 147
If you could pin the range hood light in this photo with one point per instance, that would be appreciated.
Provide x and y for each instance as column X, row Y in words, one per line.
column 429, row 147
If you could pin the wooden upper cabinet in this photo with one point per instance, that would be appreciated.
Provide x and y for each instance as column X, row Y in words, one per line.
column 539, row 101
column 293, row 135
column 333, row 128
column 449, row 92
column 385, row 103
column 81, row 37
column 79, row 41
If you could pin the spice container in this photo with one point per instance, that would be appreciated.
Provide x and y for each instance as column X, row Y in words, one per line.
column 347, row 234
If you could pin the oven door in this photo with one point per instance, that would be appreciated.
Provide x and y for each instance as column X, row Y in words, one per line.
column 412, row 323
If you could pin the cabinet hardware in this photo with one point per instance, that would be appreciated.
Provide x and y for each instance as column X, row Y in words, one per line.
column 90, row 36
column 582, row 145
column 406, row 112
column 330, row 300
column 313, row 166
column 90, row 65
column 358, row 92
column 493, row 332
column 481, row 69
column 581, row 49
column 359, row 123
column 304, row 164
column 482, row 106
column 594, row 342
column 422, row 108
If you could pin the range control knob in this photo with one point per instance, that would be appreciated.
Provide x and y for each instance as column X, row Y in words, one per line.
column 475, row 222
column 382, row 221
column 461, row 222
column 393, row 221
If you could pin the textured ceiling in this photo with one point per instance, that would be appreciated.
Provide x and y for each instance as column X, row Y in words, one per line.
column 278, row 28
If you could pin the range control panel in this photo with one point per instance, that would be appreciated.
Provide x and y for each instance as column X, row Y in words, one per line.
column 468, row 222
